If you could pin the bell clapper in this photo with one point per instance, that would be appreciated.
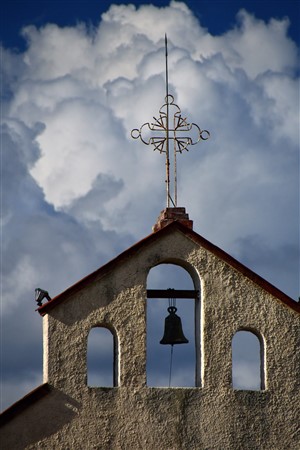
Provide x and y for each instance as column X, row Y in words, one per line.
column 171, row 362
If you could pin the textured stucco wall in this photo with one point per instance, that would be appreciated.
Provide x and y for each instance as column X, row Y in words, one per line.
column 133, row 416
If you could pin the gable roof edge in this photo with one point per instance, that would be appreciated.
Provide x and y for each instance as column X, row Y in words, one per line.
column 257, row 279
column 240, row 267
column 24, row 402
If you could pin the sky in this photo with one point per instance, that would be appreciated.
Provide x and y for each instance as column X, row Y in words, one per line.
column 76, row 190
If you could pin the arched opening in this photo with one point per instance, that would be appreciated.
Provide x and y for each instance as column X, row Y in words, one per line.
column 169, row 365
column 247, row 361
column 101, row 358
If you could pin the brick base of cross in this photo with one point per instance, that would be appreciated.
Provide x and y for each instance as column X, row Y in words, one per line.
column 169, row 215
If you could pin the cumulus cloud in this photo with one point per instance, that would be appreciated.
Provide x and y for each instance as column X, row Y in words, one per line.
column 78, row 189
column 41, row 247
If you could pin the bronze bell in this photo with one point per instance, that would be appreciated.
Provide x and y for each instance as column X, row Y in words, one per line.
column 173, row 333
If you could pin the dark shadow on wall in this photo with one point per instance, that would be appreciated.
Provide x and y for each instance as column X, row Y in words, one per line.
column 36, row 416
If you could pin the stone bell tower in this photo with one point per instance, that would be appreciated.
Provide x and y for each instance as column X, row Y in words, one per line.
column 66, row 413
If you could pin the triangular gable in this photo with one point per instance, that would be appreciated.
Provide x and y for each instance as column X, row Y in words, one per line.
column 201, row 241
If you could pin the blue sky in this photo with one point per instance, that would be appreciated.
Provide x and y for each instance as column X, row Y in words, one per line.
column 216, row 15
column 77, row 190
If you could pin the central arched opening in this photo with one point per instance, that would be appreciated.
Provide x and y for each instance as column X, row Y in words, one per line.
column 172, row 365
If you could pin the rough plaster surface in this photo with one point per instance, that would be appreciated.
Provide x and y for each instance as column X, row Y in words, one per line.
column 133, row 416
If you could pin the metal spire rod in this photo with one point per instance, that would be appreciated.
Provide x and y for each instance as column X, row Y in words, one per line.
column 167, row 75
column 167, row 126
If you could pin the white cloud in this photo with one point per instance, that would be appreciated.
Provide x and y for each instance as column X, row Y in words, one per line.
column 254, row 46
column 90, row 98
column 78, row 189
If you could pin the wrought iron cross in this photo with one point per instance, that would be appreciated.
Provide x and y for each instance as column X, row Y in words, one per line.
column 160, row 132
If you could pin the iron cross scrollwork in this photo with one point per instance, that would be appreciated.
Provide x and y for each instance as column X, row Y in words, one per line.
column 160, row 132
column 180, row 125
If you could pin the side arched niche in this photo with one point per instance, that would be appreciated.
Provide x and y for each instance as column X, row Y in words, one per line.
column 184, row 371
column 102, row 357
column 248, row 360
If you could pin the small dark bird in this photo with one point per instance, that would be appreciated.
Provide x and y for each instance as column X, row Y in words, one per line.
column 40, row 294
